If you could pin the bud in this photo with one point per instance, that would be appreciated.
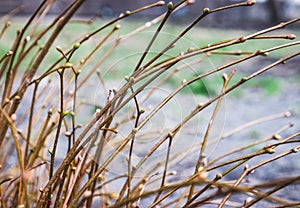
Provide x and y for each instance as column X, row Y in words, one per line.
column 173, row 173
column 148, row 24
column 291, row 36
column 242, row 39
column 72, row 113
column 190, row 2
column 200, row 105
column 225, row 77
column 202, row 174
column 87, row 194
column 9, row 53
column 100, row 177
column 251, row 2
column 219, row 176
column 261, row 52
column 270, row 150
column 131, row 80
column 170, row 5
column 65, row 113
column 160, row 3
column 18, row 98
column 6, row 100
column 13, row 117
column 141, row 186
column 68, row 64
column 248, row 199
column 244, row 79
column 170, row 135
column 50, row 151
column 276, row 137
column 60, row 71
column 113, row 195
column 76, row 45
column 206, row 10
column 190, row 49
column 58, row 48
column 27, row 39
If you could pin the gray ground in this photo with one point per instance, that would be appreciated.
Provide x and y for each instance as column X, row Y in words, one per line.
column 252, row 104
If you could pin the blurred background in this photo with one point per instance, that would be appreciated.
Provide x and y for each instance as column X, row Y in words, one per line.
column 266, row 12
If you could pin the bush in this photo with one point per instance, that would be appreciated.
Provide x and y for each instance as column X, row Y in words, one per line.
column 97, row 124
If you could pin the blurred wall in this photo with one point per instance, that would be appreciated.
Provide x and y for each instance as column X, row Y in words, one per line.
column 265, row 12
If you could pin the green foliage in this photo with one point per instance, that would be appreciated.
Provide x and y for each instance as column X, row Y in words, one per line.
column 270, row 85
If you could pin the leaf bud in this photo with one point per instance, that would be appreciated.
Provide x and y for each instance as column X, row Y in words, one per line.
column 206, row 10
column 170, row 5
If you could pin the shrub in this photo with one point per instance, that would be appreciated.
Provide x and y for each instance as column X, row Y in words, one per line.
column 145, row 143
